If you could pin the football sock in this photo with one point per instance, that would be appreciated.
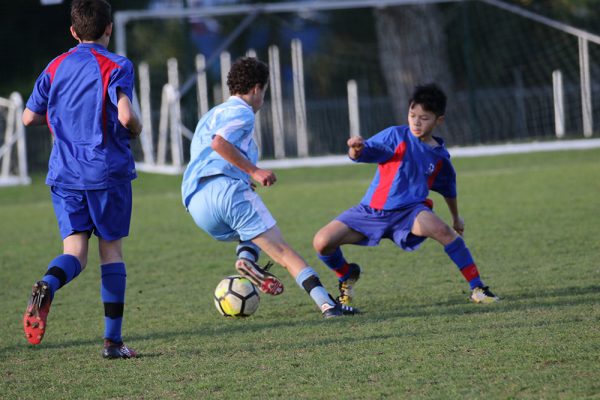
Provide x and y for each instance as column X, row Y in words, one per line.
column 248, row 250
column 309, row 281
column 460, row 254
column 336, row 262
column 62, row 270
column 112, row 291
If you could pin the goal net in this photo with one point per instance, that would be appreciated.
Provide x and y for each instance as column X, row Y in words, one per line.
column 511, row 76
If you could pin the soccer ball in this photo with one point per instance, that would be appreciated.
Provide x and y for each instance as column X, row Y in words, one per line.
column 236, row 296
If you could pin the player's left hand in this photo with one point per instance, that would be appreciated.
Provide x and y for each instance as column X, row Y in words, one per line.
column 459, row 225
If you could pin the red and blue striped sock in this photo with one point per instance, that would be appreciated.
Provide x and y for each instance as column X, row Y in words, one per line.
column 336, row 262
column 460, row 254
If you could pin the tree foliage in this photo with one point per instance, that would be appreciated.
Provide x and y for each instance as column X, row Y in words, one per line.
column 32, row 34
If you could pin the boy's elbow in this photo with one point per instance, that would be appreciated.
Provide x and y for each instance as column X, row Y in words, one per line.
column 130, row 121
column 27, row 120
column 125, row 118
column 30, row 118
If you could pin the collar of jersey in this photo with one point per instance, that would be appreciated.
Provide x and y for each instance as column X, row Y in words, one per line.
column 91, row 46
column 239, row 100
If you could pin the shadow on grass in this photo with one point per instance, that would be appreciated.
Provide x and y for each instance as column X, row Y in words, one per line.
column 525, row 300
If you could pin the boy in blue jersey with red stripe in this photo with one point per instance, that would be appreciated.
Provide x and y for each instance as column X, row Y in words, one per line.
column 411, row 161
column 84, row 95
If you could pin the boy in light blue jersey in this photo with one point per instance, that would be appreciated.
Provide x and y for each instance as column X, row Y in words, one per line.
column 410, row 162
column 84, row 95
column 218, row 191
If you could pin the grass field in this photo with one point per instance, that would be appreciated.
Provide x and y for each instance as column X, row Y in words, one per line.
column 532, row 223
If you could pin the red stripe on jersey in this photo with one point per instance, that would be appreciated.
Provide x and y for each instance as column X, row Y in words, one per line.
column 470, row 272
column 107, row 66
column 51, row 70
column 434, row 174
column 387, row 173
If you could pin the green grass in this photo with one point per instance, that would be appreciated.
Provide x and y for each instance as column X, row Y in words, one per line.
column 532, row 223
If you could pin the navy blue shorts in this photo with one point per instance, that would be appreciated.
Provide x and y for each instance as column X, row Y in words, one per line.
column 106, row 213
column 377, row 224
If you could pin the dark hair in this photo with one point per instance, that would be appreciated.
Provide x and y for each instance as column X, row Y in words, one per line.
column 245, row 73
column 431, row 97
column 90, row 18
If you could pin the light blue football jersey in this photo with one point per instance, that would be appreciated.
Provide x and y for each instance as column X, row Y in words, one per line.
column 233, row 120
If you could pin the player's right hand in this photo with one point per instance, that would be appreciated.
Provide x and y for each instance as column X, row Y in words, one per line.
column 264, row 176
column 355, row 146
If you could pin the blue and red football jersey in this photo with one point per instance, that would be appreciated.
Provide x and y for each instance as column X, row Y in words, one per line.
column 407, row 169
column 78, row 93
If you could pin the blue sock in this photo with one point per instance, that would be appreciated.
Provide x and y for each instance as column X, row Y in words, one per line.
column 460, row 254
column 309, row 281
column 62, row 270
column 112, row 291
column 336, row 262
column 248, row 250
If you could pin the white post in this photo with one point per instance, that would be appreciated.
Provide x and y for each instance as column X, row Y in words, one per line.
column 559, row 103
column 586, row 93
column 163, row 124
column 276, row 102
column 201, row 85
column 8, row 140
column 225, row 67
column 353, row 110
column 17, row 100
column 14, row 135
column 175, row 114
column 299, row 99
column 257, row 126
column 146, row 110
column 218, row 93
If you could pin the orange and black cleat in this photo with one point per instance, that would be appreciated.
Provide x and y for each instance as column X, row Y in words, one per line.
column 36, row 315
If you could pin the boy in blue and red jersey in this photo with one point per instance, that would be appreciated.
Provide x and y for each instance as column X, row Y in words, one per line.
column 84, row 95
column 411, row 161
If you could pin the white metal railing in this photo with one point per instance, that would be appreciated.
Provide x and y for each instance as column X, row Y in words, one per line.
column 13, row 172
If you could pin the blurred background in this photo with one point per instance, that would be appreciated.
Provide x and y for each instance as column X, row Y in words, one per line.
column 495, row 64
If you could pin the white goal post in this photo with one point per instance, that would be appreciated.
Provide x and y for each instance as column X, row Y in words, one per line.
column 13, row 154
column 502, row 95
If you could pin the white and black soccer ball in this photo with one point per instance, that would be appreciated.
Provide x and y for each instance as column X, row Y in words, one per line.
column 236, row 296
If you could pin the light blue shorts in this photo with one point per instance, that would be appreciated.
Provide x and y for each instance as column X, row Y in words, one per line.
column 228, row 209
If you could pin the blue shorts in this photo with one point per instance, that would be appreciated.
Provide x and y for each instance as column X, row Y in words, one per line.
column 228, row 209
column 377, row 224
column 106, row 212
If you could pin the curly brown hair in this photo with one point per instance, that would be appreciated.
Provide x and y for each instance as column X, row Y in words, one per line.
column 90, row 18
column 245, row 73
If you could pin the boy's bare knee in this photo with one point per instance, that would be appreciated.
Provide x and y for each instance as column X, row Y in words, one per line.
column 320, row 243
column 445, row 234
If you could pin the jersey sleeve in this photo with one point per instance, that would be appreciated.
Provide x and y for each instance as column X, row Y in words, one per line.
column 38, row 101
column 378, row 148
column 445, row 181
column 121, row 79
column 234, row 125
